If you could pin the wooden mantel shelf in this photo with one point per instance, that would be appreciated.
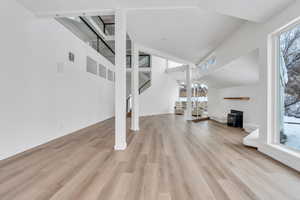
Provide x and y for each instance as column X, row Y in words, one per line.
column 237, row 98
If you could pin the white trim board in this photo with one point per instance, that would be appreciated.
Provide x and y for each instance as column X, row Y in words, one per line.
column 286, row 156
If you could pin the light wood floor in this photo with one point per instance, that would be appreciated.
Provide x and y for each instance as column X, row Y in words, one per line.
column 168, row 159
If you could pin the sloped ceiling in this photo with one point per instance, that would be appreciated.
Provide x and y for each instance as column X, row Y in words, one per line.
column 188, row 33
column 242, row 71
column 254, row 10
column 187, row 29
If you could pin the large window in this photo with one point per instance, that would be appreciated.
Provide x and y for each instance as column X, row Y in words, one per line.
column 199, row 93
column 288, row 90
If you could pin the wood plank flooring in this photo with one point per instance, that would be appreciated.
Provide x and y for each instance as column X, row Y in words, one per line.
column 168, row 159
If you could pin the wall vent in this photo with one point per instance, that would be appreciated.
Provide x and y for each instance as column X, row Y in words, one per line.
column 71, row 57
column 110, row 75
column 91, row 66
column 102, row 71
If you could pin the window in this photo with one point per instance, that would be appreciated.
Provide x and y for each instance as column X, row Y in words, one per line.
column 288, row 87
column 199, row 93
column 144, row 60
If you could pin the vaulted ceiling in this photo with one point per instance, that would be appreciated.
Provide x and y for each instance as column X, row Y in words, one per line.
column 254, row 10
column 188, row 34
column 242, row 71
column 187, row 29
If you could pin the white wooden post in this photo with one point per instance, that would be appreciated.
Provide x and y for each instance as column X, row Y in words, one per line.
column 120, row 80
column 135, row 87
column 188, row 93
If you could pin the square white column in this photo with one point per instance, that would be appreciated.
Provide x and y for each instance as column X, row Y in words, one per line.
column 135, row 87
column 120, row 80
column 188, row 93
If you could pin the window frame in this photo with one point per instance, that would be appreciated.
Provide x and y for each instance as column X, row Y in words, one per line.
column 273, row 58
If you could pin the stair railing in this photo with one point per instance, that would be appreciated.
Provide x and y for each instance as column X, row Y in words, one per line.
column 144, row 86
column 141, row 89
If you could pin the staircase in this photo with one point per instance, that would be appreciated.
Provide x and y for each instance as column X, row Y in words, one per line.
column 98, row 32
column 144, row 84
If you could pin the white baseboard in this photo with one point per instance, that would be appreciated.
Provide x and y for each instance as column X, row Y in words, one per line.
column 155, row 114
column 222, row 120
column 249, row 127
column 121, row 147
column 281, row 154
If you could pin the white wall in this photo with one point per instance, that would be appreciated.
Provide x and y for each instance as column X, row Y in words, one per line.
column 37, row 104
column 219, row 107
column 161, row 96
column 246, row 39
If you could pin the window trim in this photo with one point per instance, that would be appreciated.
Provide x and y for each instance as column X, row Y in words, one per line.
column 273, row 56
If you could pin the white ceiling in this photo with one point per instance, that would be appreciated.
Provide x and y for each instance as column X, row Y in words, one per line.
column 187, row 29
column 254, row 10
column 242, row 71
column 188, row 34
